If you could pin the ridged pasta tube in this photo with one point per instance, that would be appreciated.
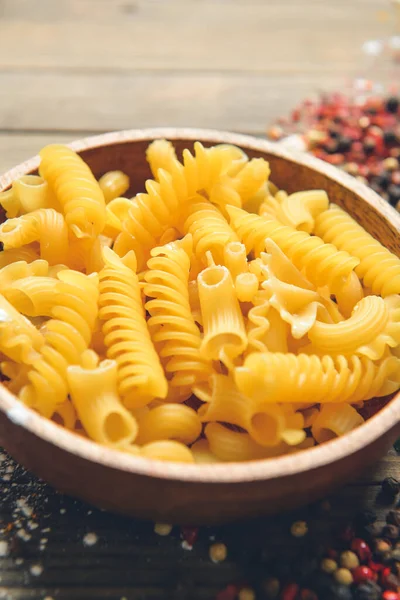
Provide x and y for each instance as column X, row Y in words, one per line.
column 93, row 388
column 235, row 258
column 126, row 336
column 246, row 286
column 19, row 339
column 75, row 188
column 66, row 335
column 169, row 421
column 368, row 332
column 300, row 209
column 171, row 322
column 323, row 263
column 46, row 226
column 275, row 377
column 378, row 267
column 169, row 450
column 224, row 330
column 209, row 229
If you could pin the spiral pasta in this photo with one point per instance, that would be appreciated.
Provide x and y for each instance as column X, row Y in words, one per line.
column 201, row 320
column 45, row 225
column 209, row 229
column 275, row 377
column 75, row 188
column 322, row 263
column 378, row 267
column 66, row 336
column 171, row 322
column 126, row 336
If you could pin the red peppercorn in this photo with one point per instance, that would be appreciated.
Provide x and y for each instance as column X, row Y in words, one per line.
column 189, row 534
column 290, row 591
column 363, row 573
column 361, row 548
column 228, row 593
column 332, row 553
column 390, row 595
column 376, row 567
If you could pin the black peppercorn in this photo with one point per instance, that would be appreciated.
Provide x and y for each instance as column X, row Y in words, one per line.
column 392, row 104
column 382, row 181
column 394, row 197
column 391, row 532
column 344, row 144
column 389, row 137
column 374, row 530
column 337, row 591
column 369, row 145
column 390, row 485
column 368, row 590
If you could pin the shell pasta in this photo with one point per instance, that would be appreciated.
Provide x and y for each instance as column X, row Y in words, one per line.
column 212, row 317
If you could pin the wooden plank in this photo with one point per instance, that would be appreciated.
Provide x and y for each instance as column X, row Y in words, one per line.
column 274, row 36
column 109, row 102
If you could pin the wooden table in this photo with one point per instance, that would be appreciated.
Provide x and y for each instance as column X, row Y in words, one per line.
column 69, row 68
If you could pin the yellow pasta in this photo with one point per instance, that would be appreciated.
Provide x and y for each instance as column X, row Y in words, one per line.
column 235, row 258
column 373, row 325
column 334, row 420
column 378, row 268
column 200, row 321
column 75, row 188
column 323, row 263
column 126, row 336
column 246, row 286
column 209, row 229
column 93, row 389
column 33, row 296
column 224, row 331
column 167, row 450
column 46, row 226
column 19, row 339
column 171, row 322
column 300, row 209
column 66, row 336
column 169, row 421
column 276, row 377
column 264, row 423
column 113, row 184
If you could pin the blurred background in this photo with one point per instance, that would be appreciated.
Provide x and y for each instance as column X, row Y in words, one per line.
column 69, row 68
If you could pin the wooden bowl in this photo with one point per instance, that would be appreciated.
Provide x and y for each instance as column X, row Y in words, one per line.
column 180, row 493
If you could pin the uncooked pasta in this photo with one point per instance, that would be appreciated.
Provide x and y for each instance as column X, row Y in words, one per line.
column 212, row 317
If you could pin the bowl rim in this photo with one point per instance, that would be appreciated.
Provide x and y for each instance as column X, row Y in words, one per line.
column 234, row 472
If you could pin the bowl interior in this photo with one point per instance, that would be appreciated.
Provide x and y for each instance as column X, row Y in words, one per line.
column 126, row 151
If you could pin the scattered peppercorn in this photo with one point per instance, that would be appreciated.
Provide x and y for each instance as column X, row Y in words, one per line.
column 299, row 528
column 328, row 565
column 361, row 548
column 349, row 560
column 363, row 573
column 218, row 552
column 382, row 546
column 390, row 595
column 392, row 105
column 289, row 592
column 246, row 594
column 343, row 576
column 162, row 529
column 368, row 590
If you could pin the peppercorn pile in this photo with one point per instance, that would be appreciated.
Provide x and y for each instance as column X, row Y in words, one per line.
column 362, row 562
column 359, row 135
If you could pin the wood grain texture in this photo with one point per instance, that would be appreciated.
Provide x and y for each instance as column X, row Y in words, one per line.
column 281, row 37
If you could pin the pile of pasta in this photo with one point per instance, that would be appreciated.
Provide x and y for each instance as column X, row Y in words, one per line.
column 213, row 317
